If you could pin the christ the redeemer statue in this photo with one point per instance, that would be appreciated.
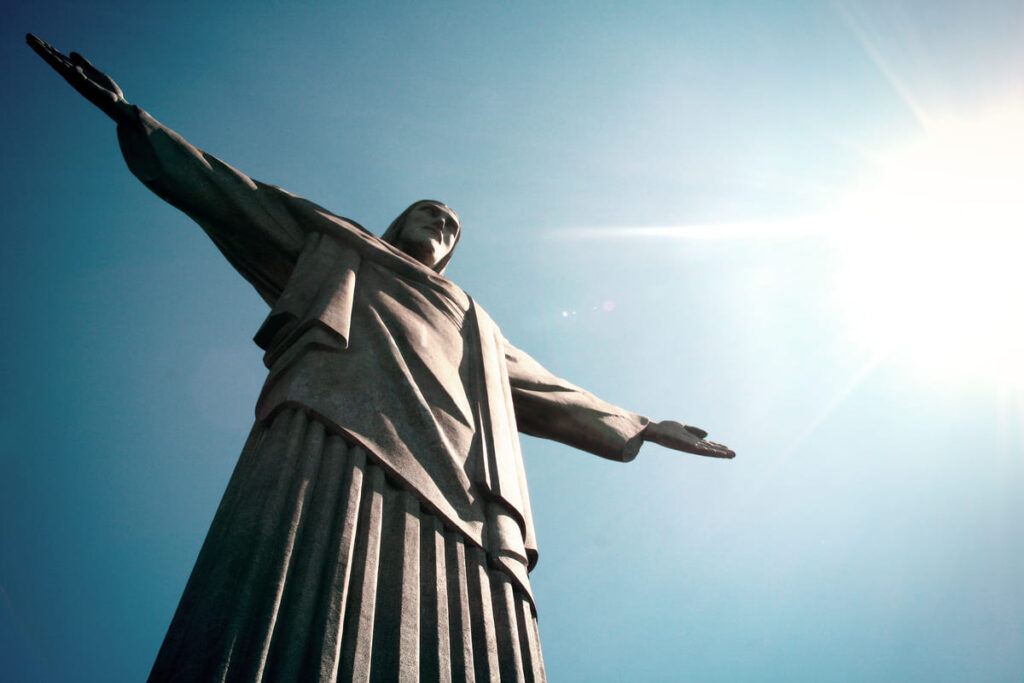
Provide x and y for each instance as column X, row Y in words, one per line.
column 377, row 525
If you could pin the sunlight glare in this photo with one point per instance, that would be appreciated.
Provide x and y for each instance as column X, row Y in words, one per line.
column 931, row 250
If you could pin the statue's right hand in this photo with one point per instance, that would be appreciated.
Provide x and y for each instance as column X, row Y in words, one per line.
column 93, row 84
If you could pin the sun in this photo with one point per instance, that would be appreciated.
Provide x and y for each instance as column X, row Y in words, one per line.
column 932, row 250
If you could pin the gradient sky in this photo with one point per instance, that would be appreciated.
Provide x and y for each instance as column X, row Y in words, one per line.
column 791, row 223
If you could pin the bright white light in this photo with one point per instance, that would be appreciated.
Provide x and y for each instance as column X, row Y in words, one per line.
column 932, row 267
column 792, row 228
column 931, row 249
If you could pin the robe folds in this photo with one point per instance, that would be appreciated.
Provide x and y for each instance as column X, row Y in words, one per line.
column 378, row 524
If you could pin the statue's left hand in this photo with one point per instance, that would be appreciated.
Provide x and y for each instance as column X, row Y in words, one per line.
column 686, row 438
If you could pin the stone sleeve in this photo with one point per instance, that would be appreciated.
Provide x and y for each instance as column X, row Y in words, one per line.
column 549, row 407
column 253, row 224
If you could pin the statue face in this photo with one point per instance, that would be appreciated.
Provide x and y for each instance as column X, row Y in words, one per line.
column 429, row 233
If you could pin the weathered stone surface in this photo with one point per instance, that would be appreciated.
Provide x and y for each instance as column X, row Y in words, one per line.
column 378, row 523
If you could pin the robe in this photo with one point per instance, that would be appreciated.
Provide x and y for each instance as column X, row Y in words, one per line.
column 377, row 525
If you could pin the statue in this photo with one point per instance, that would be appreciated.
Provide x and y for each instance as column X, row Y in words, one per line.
column 378, row 522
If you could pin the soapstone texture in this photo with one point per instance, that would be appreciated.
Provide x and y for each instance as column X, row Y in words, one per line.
column 378, row 522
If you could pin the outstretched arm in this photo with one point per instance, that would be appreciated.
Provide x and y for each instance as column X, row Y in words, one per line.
column 550, row 407
column 259, row 228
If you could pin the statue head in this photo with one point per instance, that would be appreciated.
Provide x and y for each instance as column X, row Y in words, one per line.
column 428, row 231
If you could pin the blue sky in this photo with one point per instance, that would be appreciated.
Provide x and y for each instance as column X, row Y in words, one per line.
column 787, row 223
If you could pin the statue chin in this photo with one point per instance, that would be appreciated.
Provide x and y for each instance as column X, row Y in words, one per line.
column 428, row 253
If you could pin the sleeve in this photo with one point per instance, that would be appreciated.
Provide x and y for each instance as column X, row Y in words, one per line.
column 551, row 408
column 259, row 228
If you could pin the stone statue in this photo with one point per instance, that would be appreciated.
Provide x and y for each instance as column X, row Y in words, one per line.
column 377, row 524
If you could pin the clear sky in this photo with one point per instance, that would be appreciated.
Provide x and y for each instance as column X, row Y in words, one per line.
column 795, row 224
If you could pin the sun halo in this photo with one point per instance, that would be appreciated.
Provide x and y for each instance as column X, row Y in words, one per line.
column 931, row 250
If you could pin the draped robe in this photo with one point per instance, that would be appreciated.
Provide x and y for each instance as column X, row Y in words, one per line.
column 378, row 523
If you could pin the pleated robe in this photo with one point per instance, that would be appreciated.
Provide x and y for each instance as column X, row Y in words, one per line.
column 377, row 525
